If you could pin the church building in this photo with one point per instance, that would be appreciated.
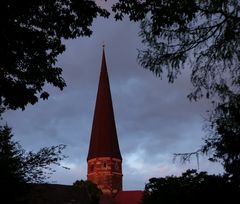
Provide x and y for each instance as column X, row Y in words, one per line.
column 104, row 160
column 104, row 157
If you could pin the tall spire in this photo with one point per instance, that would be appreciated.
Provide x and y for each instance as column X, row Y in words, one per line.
column 104, row 141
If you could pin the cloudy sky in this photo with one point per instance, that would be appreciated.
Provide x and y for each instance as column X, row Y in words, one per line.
column 154, row 119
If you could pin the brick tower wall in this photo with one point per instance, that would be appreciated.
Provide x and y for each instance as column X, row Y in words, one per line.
column 106, row 172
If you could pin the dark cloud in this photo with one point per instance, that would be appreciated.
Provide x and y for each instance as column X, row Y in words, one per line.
column 154, row 119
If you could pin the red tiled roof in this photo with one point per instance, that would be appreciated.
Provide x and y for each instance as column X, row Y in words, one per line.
column 107, row 199
column 104, row 141
column 129, row 197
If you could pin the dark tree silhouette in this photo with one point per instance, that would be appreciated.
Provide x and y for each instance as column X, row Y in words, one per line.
column 19, row 167
column 92, row 189
column 223, row 139
column 202, row 35
column 205, row 37
column 190, row 187
column 31, row 38
column 11, row 176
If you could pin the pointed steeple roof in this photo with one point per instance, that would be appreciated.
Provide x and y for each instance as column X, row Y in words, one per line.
column 104, row 141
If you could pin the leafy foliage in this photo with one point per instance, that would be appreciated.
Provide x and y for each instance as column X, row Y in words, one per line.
column 92, row 189
column 224, row 136
column 1, row 112
column 31, row 39
column 222, row 140
column 11, row 174
column 205, row 37
column 19, row 167
column 37, row 165
column 202, row 35
column 191, row 187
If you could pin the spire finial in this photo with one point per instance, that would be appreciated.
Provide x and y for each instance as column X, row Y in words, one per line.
column 103, row 45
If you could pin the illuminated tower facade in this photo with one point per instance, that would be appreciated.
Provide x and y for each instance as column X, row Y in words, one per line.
column 104, row 157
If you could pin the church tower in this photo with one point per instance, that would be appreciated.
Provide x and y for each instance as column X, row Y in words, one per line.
column 104, row 157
